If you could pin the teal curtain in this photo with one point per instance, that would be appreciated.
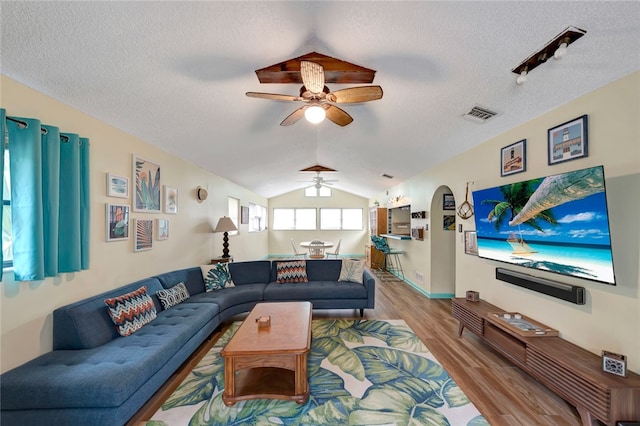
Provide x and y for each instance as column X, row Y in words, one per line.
column 50, row 199
column 3, row 139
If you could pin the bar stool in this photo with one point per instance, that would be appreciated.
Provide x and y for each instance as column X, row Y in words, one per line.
column 391, row 261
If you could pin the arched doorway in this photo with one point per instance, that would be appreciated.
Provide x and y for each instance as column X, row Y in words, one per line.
column 443, row 243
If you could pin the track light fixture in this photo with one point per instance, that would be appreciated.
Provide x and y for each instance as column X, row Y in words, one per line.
column 557, row 48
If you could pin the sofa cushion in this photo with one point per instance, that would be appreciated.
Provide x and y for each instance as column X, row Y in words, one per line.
column 132, row 311
column 324, row 270
column 315, row 290
column 291, row 272
column 216, row 276
column 258, row 271
column 191, row 277
column 106, row 376
column 87, row 324
column 228, row 297
column 173, row 296
column 352, row 270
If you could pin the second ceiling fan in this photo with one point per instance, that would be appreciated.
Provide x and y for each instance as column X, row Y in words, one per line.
column 319, row 100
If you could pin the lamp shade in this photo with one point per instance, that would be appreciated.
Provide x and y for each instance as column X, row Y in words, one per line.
column 225, row 224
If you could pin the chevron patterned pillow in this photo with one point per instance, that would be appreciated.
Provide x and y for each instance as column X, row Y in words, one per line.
column 173, row 296
column 132, row 311
column 291, row 272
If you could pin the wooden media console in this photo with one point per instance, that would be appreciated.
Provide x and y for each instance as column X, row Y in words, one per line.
column 573, row 373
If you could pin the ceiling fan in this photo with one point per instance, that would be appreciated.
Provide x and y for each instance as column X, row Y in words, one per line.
column 319, row 100
column 318, row 181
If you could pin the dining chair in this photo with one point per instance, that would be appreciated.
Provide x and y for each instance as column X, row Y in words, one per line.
column 336, row 251
column 297, row 253
column 316, row 249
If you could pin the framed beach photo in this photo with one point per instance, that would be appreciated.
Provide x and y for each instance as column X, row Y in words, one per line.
column 146, row 174
column 143, row 234
column 448, row 202
column 470, row 243
column 170, row 200
column 163, row 229
column 117, row 186
column 117, row 221
column 513, row 158
column 568, row 141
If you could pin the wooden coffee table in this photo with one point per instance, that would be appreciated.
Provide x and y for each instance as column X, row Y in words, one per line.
column 269, row 362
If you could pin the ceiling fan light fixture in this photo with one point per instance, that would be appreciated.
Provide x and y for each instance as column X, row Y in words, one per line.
column 315, row 114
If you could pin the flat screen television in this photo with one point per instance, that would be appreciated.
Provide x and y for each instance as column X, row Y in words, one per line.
column 559, row 223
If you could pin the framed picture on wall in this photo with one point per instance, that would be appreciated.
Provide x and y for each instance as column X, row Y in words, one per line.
column 470, row 243
column 568, row 141
column 448, row 202
column 117, row 219
column 146, row 174
column 117, row 186
column 449, row 222
column 143, row 236
column 513, row 158
column 163, row 229
column 170, row 200
column 244, row 215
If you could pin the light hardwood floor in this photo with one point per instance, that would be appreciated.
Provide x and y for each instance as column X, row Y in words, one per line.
column 503, row 393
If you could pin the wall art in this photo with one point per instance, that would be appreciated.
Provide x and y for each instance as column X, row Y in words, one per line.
column 448, row 202
column 513, row 158
column 568, row 141
column 449, row 223
column 117, row 186
column 117, row 219
column 170, row 200
column 163, row 229
column 470, row 243
column 143, row 236
column 146, row 196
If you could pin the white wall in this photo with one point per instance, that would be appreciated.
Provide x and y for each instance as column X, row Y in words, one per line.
column 353, row 242
column 610, row 319
column 26, row 317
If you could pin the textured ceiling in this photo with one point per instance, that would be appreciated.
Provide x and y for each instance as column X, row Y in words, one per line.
column 174, row 74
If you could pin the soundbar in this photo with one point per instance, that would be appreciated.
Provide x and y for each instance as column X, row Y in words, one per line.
column 570, row 293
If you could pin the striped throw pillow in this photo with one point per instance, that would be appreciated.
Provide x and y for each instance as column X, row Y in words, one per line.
column 291, row 272
column 132, row 311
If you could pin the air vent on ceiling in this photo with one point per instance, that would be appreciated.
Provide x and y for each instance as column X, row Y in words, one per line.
column 387, row 176
column 479, row 114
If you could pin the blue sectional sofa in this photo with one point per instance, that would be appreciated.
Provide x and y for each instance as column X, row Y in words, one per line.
column 95, row 376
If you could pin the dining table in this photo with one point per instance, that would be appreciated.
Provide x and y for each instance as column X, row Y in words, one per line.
column 316, row 248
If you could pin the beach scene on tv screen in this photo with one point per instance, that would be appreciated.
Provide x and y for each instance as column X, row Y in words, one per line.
column 558, row 223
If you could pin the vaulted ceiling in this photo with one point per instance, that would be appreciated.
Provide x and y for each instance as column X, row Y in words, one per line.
column 175, row 75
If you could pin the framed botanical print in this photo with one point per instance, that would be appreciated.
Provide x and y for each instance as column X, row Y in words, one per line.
column 117, row 186
column 117, row 221
column 146, row 197
column 143, row 237
column 170, row 200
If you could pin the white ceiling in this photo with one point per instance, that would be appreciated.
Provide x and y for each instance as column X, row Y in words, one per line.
column 175, row 74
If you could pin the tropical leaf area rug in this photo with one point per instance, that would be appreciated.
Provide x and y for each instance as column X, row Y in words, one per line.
column 361, row 372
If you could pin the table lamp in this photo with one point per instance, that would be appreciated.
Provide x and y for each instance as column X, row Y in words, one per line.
column 225, row 224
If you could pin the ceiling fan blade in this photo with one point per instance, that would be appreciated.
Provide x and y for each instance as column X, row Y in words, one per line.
column 312, row 76
column 338, row 115
column 356, row 94
column 294, row 116
column 273, row 96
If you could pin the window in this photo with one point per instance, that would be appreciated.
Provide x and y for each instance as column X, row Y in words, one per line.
column 341, row 219
column 7, row 237
column 234, row 212
column 257, row 218
column 294, row 219
column 312, row 191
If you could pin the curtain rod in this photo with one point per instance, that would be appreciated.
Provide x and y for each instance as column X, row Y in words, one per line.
column 42, row 129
